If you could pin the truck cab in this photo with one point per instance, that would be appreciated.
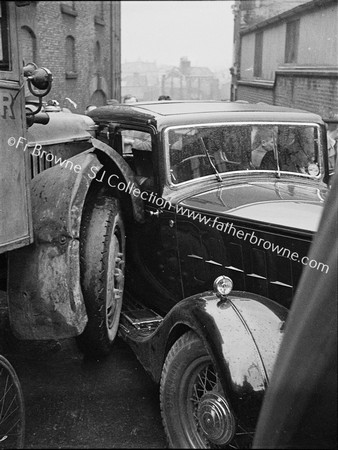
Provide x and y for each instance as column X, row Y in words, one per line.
column 15, row 209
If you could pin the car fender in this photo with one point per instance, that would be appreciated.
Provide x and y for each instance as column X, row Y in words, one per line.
column 242, row 335
column 125, row 175
column 45, row 298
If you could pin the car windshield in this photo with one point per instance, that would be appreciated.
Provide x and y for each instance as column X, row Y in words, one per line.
column 199, row 151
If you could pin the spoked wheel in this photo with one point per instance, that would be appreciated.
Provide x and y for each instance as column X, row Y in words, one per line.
column 12, row 410
column 102, row 273
column 195, row 411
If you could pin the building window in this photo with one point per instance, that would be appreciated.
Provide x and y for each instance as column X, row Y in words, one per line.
column 291, row 41
column 4, row 41
column 257, row 72
column 70, row 58
column 99, row 16
column 68, row 7
column 28, row 45
column 98, row 98
column 97, row 57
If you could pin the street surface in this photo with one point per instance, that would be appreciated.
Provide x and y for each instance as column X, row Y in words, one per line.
column 72, row 402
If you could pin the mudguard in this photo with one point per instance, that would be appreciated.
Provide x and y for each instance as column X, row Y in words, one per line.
column 242, row 336
column 44, row 291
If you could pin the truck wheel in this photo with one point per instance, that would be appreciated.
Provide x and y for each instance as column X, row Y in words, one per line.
column 195, row 411
column 102, row 249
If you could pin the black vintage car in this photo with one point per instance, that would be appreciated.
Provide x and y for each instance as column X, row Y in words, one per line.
column 147, row 232
column 203, row 197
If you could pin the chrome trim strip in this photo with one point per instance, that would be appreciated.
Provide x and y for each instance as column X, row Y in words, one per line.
column 279, row 283
column 254, row 275
column 210, row 261
column 234, row 268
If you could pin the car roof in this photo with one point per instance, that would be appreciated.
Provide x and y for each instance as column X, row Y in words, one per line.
column 170, row 113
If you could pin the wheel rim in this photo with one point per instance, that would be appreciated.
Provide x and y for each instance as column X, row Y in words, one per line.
column 206, row 416
column 215, row 418
column 115, row 282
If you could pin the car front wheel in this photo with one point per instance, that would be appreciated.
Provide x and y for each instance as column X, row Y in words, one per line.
column 195, row 411
column 102, row 244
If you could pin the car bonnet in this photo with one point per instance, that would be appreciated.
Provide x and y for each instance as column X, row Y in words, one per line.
column 280, row 203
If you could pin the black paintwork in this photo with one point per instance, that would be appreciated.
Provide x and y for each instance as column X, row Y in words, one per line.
column 163, row 114
column 189, row 255
column 174, row 254
column 242, row 335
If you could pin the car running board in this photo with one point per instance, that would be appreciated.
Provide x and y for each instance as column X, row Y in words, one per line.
column 144, row 319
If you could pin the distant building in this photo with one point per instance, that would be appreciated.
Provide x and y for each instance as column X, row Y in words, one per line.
column 287, row 57
column 147, row 81
column 187, row 82
column 141, row 79
column 80, row 43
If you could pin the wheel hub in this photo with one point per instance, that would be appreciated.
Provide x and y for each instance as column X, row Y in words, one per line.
column 216, row 418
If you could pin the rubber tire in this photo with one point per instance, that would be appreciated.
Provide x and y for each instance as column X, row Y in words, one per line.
column 186, row 351
column 102, row 250
column 12, row 407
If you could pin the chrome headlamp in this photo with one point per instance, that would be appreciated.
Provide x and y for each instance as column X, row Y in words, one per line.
column 223, row 286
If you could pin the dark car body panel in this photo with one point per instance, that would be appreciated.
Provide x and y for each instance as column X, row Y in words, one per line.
column 253, row 226
column 178, row 113
column 192, row 253
column 287, row 204
column 191, row 248
column 242, row 335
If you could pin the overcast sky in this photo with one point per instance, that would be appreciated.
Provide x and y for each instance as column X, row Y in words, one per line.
column 165, row 31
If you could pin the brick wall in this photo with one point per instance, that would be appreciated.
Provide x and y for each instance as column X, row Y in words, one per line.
column 51, row 23
column 318, row 94
column 254, row 94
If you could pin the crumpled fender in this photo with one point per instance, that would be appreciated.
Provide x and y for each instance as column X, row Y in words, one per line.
column 44, row 292
column 242, row 335
column 127, row 174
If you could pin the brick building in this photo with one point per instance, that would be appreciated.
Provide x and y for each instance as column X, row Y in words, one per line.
column 80, row 43
column 287, row 57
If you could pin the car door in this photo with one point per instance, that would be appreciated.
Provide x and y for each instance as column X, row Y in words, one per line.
column 154, row 273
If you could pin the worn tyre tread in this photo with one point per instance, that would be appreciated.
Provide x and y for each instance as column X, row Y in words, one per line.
column 188, row 338
column 96, row 221
column 188, row 345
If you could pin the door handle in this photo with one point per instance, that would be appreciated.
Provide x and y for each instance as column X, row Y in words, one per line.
column 155, row 213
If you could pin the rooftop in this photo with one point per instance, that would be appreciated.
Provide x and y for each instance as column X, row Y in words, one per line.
column 185, row 112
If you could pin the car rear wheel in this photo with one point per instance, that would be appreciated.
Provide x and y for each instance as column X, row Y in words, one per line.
column 102, row 244
column 195, row 411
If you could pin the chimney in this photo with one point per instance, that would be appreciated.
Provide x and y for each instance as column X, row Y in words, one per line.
column 185, row 65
